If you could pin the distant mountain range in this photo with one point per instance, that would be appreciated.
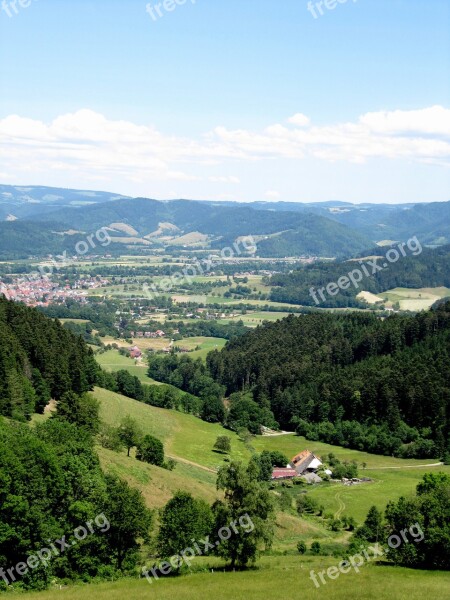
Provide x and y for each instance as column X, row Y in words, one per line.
column 35, row 220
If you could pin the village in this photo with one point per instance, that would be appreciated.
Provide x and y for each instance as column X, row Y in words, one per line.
column 43, row 291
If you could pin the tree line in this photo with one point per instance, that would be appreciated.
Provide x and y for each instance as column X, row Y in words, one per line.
column 353, row 380
column 429, row 269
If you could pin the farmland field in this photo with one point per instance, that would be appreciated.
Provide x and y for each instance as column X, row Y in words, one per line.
column 111, row 361
column 415, row 299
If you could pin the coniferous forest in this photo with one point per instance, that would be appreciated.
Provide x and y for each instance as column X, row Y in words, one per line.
column 353, row 380
column 39, row 360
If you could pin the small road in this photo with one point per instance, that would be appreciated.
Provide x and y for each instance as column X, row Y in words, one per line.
column 438, row 464
column 278, row 433
column 193, row 464
column 340, row 510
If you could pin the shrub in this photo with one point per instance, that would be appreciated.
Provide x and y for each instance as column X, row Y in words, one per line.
column 301, row 547
column 316, row 548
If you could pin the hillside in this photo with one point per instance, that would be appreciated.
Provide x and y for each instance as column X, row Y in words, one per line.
column 295, row 233
column 190, row 442
column 353, row 380
column 428, row 269
column 22, row 202
column 378, row 222
column 39, row 360
column 331, row 229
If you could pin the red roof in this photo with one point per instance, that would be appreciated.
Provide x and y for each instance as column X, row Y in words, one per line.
column 280, row 473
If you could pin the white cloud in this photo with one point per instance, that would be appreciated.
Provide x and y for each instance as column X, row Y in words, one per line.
column 224, row 179
column 429, row 121
column 95, row 148
column 300, row 120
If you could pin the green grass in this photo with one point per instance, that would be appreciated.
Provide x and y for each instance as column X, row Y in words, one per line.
column 206, row 345
column 253, row 319
column 190, row 439
column 184, row 436
column 292, row 444
column 159, row 485
column 356, row 500
column 282, row 573
column 112, row 360
column 283, row 578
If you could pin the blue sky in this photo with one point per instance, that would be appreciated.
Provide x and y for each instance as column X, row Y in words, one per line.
column 201, row 101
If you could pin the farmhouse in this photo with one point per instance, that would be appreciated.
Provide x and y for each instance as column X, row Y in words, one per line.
column 305, row 462
column 304, row 465
column 135, row 352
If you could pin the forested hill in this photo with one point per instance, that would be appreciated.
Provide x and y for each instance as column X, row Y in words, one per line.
column 427, row 269
column 39, row 360
column 353, row 380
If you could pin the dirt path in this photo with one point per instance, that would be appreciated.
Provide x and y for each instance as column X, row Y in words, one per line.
column 438, row 464
column 193, row 464
column 278, row 433
column 340, row 510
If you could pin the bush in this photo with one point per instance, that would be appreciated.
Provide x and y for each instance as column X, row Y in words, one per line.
column 316, row 548
column 170, row 464
column 301, row 547
column 109, row 438
column 306, row 504
column 223, row 444
column 335, row 525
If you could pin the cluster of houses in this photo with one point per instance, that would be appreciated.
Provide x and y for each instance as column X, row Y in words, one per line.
column 147, row 334
column 44, row 292
column 306, row 464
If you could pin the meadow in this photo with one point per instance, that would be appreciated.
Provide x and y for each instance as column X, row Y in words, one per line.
column 274, row 578
column 415, row 299
column 190, row 442
column 281, row 571
column 112, row 360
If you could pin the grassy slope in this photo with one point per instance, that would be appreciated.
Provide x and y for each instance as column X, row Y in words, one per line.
column 184, row 436
column 159, row 485
column 111, row 360
column 187, row 438
column 276, row 578
column 284, row 574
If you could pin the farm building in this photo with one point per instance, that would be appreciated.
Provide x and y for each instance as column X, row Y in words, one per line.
column 135, row 352
column 284, row 473
column 305, row 462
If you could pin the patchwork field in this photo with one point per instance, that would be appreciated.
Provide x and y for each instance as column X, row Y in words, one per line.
column 415, row 299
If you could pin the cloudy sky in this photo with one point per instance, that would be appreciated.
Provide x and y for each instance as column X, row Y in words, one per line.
column 228, row 99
